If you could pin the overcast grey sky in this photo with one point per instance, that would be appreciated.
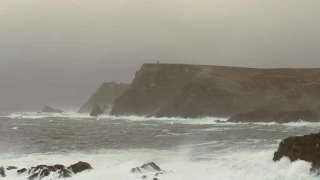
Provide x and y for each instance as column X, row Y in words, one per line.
column 57, row 52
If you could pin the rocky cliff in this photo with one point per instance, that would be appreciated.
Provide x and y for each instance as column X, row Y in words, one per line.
column 172, row 90
column 104, row 97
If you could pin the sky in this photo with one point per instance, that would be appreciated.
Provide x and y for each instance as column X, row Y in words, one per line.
column 57, row 52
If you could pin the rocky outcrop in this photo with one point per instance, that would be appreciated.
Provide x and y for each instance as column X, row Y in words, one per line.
column 48, row 109
column 149, row 169
column 190, row 91
column 104, row 97
column 96, row 111
column 305, row 148
column 11, row 168
column 79, row 167
column 279, row 116
column 59, row 171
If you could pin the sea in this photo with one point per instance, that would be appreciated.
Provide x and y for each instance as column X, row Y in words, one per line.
column 187, row 149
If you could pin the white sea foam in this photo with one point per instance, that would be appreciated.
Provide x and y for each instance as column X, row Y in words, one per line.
column 181, row 165
column 170, row 120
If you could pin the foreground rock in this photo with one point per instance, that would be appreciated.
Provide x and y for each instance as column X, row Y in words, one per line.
column 311, row 115
column 2, row 172
column 96, row 111
column 104, row 97
column 57, row 171
column 191, row 91
column 305, row 148
column 48, row 109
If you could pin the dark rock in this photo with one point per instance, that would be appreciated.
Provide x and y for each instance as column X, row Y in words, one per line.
column 104, row 97
column 21, row 171
column 155, row 179
column 96, row 111
column 305, row 148
column 278, row 116
column 11, row 168
column 41, row 171
column 2, row 172
column 79, row 167
column 144, row 177
column 149, row 167
column 59, row 166
column 219, row 121
column 192, row 91
column 48, row 109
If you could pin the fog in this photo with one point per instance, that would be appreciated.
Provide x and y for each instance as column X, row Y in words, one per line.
column 57, row 52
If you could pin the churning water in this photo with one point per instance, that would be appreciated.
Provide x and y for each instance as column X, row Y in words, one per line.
column 188, row 149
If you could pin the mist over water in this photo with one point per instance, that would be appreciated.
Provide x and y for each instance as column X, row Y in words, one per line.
column 188, row 149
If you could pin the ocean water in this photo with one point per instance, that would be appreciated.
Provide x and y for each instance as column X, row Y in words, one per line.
column 187, row 149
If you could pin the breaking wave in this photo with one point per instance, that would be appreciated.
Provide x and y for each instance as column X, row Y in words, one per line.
column 205, row 120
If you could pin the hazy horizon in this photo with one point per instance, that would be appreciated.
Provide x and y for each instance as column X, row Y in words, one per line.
column 59, row 52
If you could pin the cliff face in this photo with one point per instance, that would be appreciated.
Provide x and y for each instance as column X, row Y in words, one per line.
column 104, row 97
column 174, row 90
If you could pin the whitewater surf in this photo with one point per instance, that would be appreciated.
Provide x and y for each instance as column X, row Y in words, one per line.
column 187, row 149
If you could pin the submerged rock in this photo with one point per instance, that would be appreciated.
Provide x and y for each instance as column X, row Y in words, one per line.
column 96, row 111
column 305, row 148
column 48, row 109
column 2, row 172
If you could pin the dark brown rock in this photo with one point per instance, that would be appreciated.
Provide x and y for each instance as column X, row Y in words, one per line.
column 305, row 148
column 104, row 97
column 96, row 111
column 79, row 167
column 191, row 91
